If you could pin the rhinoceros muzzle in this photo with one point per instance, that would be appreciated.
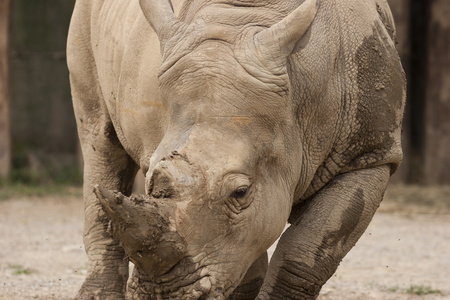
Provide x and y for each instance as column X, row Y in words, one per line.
column 145, row 227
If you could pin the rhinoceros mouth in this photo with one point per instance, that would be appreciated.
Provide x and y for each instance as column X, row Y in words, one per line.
column 185, row 280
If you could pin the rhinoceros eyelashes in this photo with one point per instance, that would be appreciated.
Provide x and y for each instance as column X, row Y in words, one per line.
column 239, row 200
column 240, row 192
column 236, row 190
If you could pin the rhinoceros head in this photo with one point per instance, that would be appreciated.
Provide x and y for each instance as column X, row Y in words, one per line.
column 230, row 159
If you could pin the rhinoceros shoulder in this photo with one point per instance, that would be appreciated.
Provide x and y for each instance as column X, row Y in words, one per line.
column 351, row 91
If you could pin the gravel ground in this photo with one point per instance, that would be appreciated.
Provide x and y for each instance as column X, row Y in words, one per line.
column 404, row 252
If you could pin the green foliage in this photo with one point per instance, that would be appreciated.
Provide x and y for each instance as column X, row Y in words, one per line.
column 32, row 167
column 48, row 178
column 65, row 176
column 422, row 290
column 19, row 270
column 37, row 173
column 10, row 190
column 419, row 290
column 392, row 289
column 408, row 199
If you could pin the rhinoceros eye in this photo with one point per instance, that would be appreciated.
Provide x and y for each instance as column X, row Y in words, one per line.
column 236, row 192
column 240, row 192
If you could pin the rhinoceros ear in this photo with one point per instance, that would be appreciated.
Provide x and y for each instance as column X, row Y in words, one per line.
column 160, row 15
column 277, row 42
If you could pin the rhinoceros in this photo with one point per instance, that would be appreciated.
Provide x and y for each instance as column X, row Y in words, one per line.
column 244, row 116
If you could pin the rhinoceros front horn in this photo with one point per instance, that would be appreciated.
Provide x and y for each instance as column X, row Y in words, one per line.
column 144, row 227
column 110, row 201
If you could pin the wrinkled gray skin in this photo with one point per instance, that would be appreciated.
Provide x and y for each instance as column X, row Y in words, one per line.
column 243, row 114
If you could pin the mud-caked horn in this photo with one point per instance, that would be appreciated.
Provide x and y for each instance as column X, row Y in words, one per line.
column 145, row 228
column 111, row 201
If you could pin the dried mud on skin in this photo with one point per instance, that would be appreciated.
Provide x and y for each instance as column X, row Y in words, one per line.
column 406, row 245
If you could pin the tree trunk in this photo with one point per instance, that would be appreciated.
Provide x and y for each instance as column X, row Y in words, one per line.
column 437, row 100
column 5, row 139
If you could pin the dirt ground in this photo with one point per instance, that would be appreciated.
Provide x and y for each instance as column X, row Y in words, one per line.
column 404, row 254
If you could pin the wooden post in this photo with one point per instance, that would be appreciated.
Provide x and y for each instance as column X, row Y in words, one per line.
column 437, row 95
column 401, row 13
column 5, row 137
column 419, row 22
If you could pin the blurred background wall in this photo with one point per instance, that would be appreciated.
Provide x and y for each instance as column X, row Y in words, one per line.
column 423, row 34
column 38, row 141
column 42, row 130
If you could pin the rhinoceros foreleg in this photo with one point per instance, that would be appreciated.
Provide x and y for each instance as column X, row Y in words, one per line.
column 250, row 285
column 108, row 269
column 105, row 163
column 111, row 168
column 322, row 231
